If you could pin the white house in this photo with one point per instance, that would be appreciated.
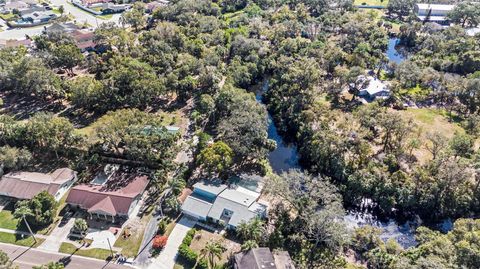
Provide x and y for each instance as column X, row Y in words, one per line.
column 433, row 12
column 213, row 201
column 373, row 88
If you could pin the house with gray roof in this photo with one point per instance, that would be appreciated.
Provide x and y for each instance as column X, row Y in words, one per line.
column 263, row 258
column 373, row 88
column 217, row 202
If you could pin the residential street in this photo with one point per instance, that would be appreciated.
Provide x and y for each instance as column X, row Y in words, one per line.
column 25, row 258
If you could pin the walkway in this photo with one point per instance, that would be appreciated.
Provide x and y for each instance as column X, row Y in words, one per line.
column 58, row 235
column 166, row 259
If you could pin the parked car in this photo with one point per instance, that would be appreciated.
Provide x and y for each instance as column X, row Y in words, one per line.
column 66, row 217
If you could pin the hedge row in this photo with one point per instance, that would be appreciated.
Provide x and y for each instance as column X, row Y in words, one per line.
column 185, row 252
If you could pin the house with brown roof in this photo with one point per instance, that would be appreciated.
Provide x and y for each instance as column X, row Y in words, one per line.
column 110, row 198
column 25, row 185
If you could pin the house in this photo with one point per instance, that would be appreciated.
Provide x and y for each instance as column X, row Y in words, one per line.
column 88, row 3
column 84, row 40
column 31, row 9
column 13, row 5
column 152, row 6
column 263, row 258
column 25, row 185
column 61, row 28
column 433, row 12
column 110, row 8
column 217, row 202
column 108, row 197
column 372, row 88
column 38, row 17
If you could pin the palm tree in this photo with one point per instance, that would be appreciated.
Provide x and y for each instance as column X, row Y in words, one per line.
column 248, row 245
column 212, row 250
column 80, row 225
column 252, row 230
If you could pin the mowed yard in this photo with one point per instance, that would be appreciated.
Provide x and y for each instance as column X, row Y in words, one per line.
column 202, row 237
column 371, row 3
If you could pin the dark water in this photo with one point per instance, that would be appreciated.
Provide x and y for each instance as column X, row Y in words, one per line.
column 285, row 156
column 394, row 54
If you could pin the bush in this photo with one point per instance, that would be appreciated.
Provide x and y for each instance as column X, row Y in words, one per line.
column 188, row 254
column 162, row 226
column 160, row 241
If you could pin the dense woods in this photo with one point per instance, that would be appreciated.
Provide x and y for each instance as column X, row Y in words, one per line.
column 213, row 56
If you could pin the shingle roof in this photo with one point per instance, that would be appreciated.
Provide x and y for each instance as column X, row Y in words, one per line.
column 92, row 197
column 257, row 258
column 25, row 185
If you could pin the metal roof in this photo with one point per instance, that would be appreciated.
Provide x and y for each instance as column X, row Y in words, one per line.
column 196, row 205
column 213, row 186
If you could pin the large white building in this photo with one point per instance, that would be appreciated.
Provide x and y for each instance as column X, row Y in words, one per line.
column 433, row 12
column 213, row 201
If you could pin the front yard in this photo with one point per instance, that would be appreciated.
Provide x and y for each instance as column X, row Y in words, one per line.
column 202, row 237
column 96, row 253
column 17, row 239
column 131, row 245
column 7, row 221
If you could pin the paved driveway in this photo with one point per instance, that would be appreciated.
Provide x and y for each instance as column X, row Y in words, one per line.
column 166, row 259
column 100, row 238
column 58, row 235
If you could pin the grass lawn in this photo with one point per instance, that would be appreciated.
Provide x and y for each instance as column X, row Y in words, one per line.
column 7, row 17
column 18, row 240
column 96, row 253
column 202, row 237
column 173, row 118
column 7, row 221
column 371, row 3
column 131, row 245
column 430, row 120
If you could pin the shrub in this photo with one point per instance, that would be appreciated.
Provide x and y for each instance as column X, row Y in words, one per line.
column 160, row 241
column 162, row 226
column 188, row 254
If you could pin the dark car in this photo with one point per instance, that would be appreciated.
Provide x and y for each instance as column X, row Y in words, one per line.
column 66, row 217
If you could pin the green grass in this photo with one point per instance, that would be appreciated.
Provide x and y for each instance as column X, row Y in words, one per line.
column 7, row 17
column 371, row 3
column 131, row 245
column 17, row 239
column 7, row 221
column 96, row 253
column 415, row 91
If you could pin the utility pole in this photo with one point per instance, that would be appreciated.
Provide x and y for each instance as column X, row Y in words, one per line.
column 110, row 246
column 29, row 229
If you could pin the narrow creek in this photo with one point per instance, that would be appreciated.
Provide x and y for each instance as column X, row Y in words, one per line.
column 286, row 157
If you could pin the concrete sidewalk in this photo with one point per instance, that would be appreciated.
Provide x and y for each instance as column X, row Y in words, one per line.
column 166, row 259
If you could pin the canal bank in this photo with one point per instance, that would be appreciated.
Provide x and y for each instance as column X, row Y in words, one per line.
column 286, row 157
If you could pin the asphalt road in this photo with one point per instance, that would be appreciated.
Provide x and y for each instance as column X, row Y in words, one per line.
column 26, row 258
